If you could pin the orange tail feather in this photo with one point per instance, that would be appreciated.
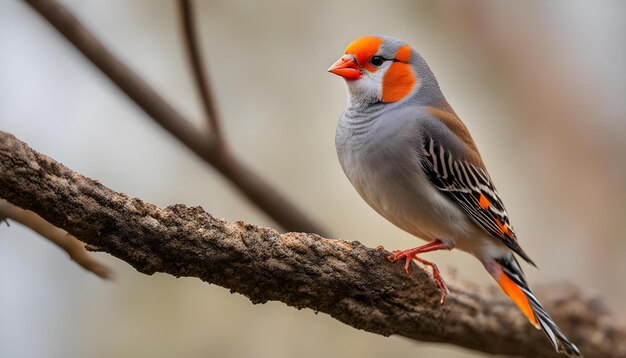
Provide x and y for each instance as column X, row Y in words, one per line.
column 517, row 296
column 509, row 275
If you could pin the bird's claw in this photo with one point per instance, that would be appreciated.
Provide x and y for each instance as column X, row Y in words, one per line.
column 409, row 255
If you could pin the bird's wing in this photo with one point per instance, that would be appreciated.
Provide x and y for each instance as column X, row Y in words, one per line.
column 469, row 186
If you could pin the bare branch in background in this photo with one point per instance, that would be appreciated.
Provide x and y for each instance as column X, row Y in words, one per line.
column 74, row 248
column 200, row 75
column 350, row 282
column 255, row 189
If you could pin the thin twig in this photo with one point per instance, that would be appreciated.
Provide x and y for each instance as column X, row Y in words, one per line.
column 200, row 75
column 74, row 248
column 350, row 282
column 254, row 188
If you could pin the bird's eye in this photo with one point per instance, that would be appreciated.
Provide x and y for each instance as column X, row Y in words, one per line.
column 377, row 60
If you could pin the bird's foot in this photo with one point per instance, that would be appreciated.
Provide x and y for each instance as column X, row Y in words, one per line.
column 408, row 255
column 438, row 279
column 411, row 254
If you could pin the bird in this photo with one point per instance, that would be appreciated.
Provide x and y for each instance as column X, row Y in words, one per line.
column 412, row 159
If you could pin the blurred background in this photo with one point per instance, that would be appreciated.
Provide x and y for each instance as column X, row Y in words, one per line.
column 541, row 86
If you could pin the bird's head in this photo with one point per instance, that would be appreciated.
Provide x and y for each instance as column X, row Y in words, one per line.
column 381, row 69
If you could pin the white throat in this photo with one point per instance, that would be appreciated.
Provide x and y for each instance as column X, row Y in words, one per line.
column 367, row 89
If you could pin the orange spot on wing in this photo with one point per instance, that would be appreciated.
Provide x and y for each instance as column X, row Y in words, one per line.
column 484, row 202
column 503, row 227
column 517, row 296
column 363, row 49
column 398, row 82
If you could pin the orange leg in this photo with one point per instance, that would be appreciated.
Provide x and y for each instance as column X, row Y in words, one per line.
column 411, row 254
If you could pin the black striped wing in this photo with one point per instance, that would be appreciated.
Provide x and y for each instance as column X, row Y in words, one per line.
column 472, row 189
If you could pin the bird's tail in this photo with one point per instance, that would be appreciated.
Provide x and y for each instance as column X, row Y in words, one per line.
column 510, row 277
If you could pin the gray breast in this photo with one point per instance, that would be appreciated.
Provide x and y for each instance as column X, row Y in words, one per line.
column 379, row 155
column 386, row 141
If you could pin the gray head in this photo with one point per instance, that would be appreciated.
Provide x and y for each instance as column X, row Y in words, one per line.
column 383, row 69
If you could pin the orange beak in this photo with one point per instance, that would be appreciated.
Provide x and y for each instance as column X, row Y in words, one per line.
column 346, row 68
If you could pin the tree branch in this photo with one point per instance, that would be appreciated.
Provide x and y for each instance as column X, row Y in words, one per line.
column 346, row 280
column 74, row 248
column 255, row 189
column 200, row 75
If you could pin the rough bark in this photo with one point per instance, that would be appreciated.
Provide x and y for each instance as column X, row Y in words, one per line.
column 207, row 145
column 352, row 283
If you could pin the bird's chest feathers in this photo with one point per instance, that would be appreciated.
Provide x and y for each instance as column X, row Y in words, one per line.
column 377, row 159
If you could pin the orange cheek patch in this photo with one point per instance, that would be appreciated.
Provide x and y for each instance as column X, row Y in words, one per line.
column 363, row 49
column 398, row 82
